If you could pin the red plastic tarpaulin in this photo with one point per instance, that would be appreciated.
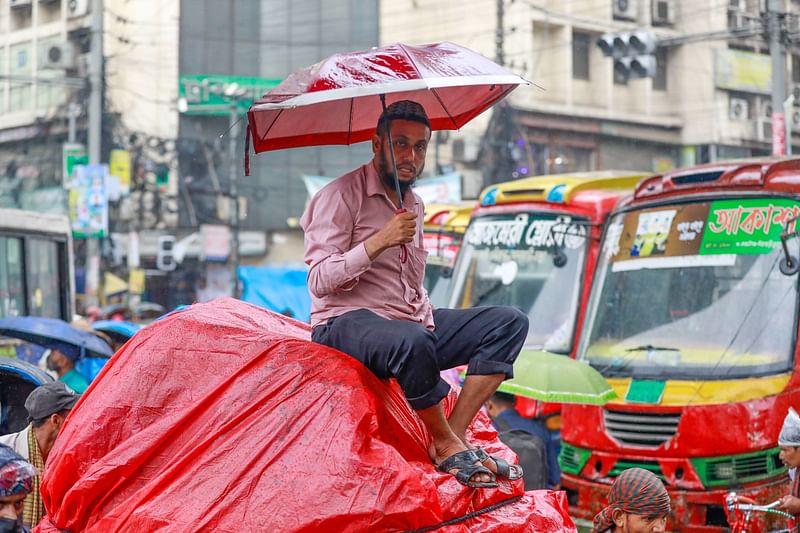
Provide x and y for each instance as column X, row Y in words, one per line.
column 225, row 417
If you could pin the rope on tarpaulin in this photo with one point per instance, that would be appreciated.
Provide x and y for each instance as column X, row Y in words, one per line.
column 469, row 516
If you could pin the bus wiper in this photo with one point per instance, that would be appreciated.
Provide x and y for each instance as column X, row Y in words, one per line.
column 651, row 348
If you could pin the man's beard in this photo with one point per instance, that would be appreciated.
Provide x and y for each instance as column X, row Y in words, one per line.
column 387, row 177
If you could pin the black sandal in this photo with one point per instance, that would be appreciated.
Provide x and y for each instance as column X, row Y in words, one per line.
column 465, row 468
column 509, row 471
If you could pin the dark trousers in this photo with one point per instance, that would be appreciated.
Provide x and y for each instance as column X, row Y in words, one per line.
column 487, row 339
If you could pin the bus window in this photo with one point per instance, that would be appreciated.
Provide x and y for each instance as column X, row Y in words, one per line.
column 43, row 278
column 12, row 301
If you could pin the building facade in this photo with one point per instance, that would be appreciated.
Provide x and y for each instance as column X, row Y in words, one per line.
column 709, row 97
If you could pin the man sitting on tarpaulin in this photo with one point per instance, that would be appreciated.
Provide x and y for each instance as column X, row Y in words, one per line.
column 366, row 266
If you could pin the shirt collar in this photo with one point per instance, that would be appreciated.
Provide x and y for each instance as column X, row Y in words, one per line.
column 375, row 186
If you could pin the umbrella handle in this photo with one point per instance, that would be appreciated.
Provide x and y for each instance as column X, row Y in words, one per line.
column 394, row 163
column 403, row 249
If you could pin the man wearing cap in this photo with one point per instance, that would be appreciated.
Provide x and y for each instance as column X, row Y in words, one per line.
column 789, row 443
column 637, row 503
column 62, row 361
column 47, row 406
column 16, row 483
column 366, row 267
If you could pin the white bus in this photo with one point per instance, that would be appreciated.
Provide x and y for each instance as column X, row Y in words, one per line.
column 36, row 266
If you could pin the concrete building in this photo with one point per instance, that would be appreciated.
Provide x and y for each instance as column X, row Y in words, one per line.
column 708, row 99
column 172, row 72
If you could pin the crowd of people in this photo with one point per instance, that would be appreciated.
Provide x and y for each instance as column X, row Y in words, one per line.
column 23, row 455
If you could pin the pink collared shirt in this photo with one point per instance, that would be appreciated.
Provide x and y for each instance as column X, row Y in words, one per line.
column 341, row 277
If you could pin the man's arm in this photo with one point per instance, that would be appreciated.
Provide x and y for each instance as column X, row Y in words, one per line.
column 333, row 264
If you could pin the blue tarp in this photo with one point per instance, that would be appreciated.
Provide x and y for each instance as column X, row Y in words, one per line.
column 277, row 289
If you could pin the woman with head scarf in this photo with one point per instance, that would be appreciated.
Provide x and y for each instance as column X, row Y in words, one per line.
column 637, row 503
column 789, row 442
column 16, row 481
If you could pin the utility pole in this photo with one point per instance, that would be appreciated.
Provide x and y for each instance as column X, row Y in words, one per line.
column 234, row 194
column 72, row 116
column 96, row 83
column 777, row 52
column 499, row 34
column 95, row 138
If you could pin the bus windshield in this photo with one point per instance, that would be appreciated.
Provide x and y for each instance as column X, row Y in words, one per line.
column 694, row 291
column 533, row 261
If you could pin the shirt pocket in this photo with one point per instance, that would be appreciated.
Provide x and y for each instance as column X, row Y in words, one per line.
column 415, row 265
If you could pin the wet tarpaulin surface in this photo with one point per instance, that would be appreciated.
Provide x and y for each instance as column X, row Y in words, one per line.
column 225, row 417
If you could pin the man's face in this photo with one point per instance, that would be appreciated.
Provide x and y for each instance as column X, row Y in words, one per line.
column 636, row 523
column 410, row 141
column 790, row 455
column 11, row 506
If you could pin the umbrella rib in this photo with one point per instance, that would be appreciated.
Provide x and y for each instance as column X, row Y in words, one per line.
column 271, row 124
column 452, row 120
column 350, row 120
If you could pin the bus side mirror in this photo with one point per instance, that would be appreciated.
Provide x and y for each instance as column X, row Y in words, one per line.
column 559, row 258
column 789, row 265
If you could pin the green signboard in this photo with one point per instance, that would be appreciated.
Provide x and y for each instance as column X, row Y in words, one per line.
column 752, row 226
column 719, row 228
column 524, row 231
column 211, row 95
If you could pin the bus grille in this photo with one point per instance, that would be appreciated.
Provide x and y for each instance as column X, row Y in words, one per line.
column 645, row 430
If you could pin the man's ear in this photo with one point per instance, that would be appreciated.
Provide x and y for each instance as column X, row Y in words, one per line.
column 376, row 143
column 618, row 516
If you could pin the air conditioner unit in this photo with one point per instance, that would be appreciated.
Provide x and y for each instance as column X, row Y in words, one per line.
column 19, row 3
column 764, row 108
column 795, row 118
column 663, row 13
column 764, row 130
column 738, row 108
column 58, row 56
column 77, row 8
column 625, row 9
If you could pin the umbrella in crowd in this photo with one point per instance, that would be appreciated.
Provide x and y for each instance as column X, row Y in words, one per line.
column 551, row 377
column 46, row 331
column 119, row 330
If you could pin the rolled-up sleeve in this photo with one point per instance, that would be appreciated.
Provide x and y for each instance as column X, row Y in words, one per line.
column 333, row 265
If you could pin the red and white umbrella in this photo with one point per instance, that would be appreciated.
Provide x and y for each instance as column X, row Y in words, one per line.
column 338, row 100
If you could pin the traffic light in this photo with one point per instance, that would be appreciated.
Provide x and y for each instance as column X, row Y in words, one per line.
column 165, row 259
column 633, row 53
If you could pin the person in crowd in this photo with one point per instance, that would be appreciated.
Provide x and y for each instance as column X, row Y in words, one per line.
column 366, row 266
column 502, row 406
column 48, row 406
column 789, row 443
column 637, row 503
column 62, row 361
column 16, row 483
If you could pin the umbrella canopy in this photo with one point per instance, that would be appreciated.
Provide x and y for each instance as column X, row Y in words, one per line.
column 45, row 331
column 17, row 380
column 551, row 377
column 119, row 330
column 338, row 100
